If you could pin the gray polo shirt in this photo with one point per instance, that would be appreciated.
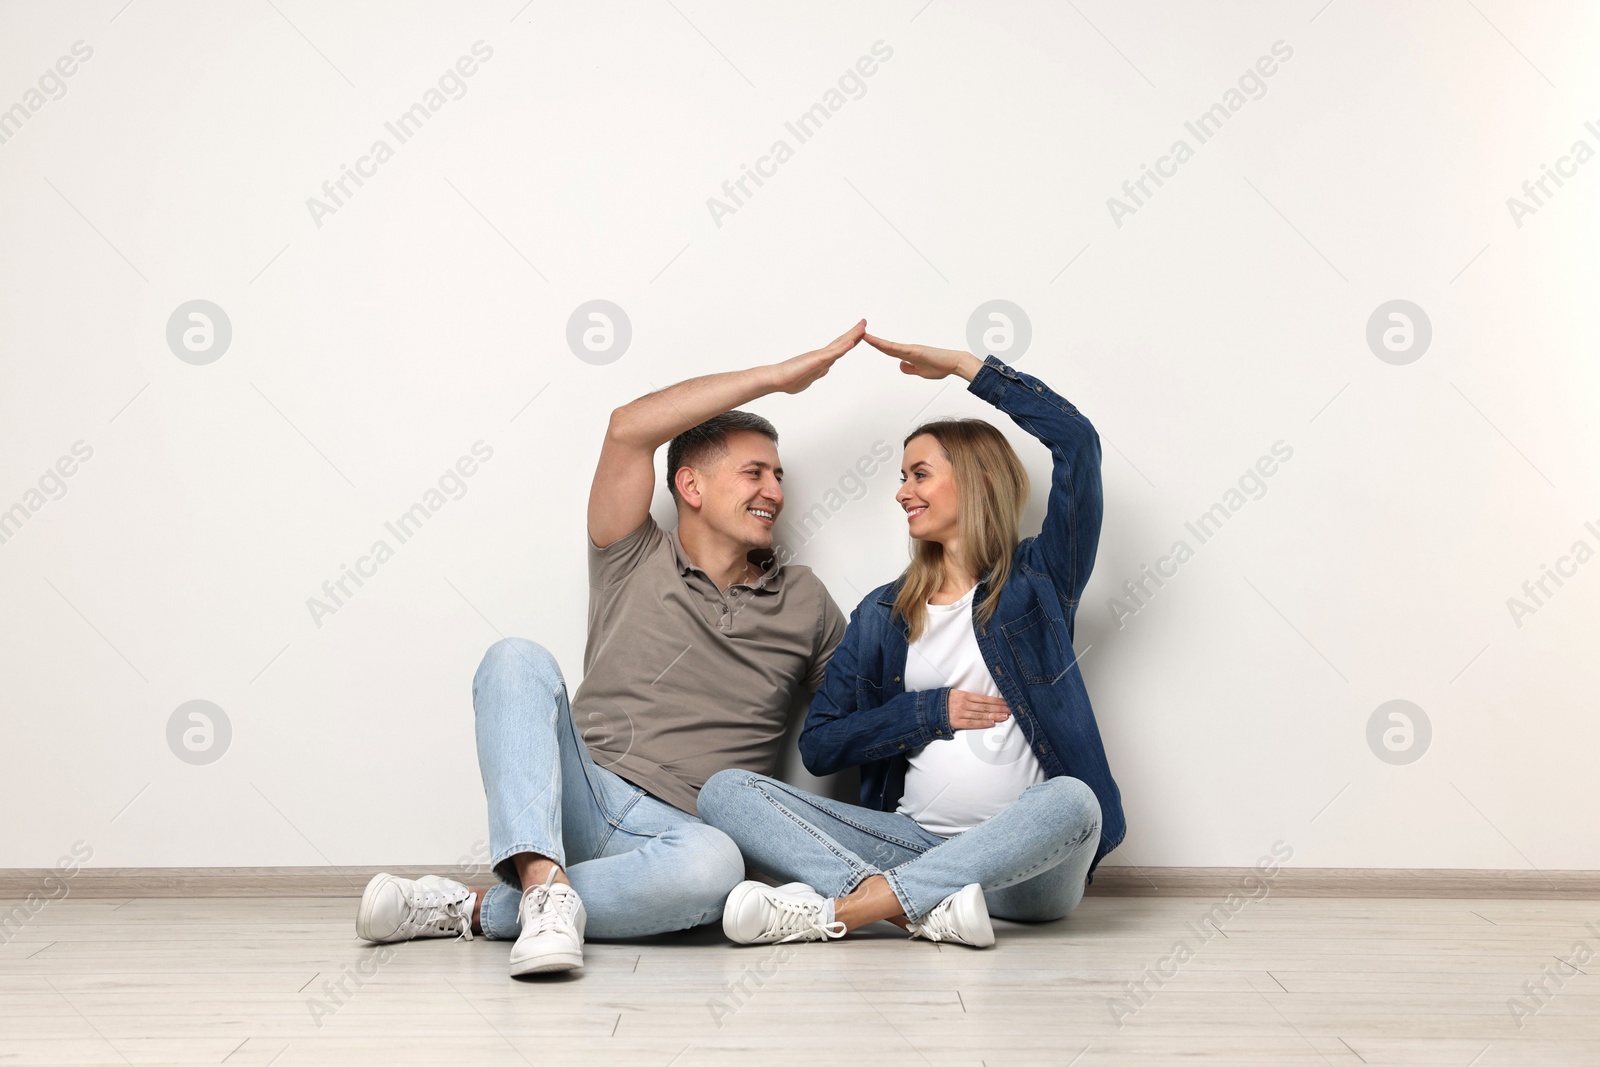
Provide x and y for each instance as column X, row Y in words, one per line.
column 682, row 680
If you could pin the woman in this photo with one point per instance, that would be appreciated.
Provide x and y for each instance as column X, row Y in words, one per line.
column 984, row 785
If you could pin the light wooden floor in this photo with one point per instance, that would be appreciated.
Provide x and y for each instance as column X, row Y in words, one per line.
column 1284, row 981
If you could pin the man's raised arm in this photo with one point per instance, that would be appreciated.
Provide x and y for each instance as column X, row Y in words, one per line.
column 624, row 479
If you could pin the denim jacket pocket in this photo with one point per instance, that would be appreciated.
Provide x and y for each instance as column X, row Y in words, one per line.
column 868, row 693
column 1037, row 646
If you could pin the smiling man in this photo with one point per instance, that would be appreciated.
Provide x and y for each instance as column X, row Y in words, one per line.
column 699, row 640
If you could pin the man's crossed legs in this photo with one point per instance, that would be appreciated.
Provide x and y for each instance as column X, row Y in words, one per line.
column 634, row 865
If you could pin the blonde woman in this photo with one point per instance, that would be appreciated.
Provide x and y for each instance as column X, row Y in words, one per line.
column 984, row 785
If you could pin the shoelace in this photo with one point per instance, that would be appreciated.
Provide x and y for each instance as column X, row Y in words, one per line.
column 797, row 919
column 545, row 909
column 432, row 910
column 935, row 926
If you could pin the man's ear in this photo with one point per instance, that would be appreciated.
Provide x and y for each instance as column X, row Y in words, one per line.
column 687, row 479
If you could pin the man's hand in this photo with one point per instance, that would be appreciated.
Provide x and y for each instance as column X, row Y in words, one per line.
column 927, row 362
column 974, row 711
column 794, row 375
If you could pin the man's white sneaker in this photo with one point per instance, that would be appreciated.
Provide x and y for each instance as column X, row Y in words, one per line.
column 962, row 917
column 399, row 909
column 757, row 914
column 552, row 929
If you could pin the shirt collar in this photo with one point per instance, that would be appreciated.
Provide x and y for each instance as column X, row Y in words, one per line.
column 771, row 579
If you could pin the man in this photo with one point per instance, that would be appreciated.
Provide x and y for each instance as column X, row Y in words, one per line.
column 698, row 642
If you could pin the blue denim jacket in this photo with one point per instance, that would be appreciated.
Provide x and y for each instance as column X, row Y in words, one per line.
column 862, row 716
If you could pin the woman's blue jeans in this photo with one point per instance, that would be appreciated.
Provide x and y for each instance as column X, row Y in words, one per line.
column 640, row 865
column 1031, row 858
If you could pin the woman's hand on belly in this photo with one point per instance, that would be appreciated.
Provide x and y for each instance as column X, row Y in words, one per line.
column 975, row 711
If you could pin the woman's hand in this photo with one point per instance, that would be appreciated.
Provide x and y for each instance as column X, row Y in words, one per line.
column 927, row 362
column 974, row 711
column 794, row 375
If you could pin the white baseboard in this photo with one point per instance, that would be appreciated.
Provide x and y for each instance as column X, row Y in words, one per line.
column 1288, row 881
column 1109, row 880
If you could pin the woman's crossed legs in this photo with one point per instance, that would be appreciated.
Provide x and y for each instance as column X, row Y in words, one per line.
column 1031, row 858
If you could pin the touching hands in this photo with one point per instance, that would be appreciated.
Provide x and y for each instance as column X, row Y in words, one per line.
column 974, row 711
column 796, row 374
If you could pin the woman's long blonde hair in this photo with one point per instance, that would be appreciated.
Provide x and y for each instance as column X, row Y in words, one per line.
column 992, row 487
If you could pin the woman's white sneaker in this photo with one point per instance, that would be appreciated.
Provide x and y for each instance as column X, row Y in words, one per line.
column 552, row 929
column 962, row 917
column 400, row 909
column 757, row 914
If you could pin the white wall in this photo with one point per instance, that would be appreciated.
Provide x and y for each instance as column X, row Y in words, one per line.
column 1227, row 313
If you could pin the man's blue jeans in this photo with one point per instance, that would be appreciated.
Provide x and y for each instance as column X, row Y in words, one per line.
column 1031, row 858
column 641, row 865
